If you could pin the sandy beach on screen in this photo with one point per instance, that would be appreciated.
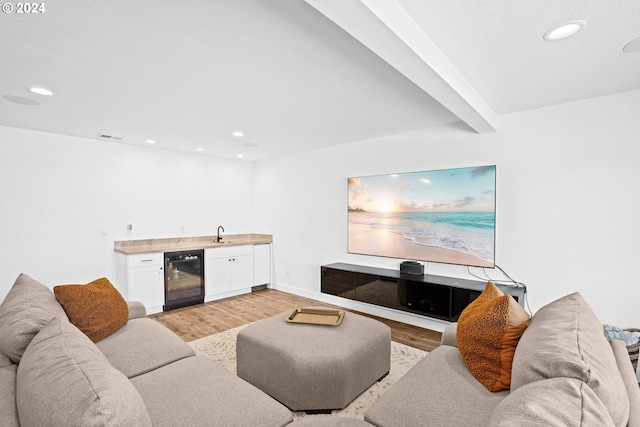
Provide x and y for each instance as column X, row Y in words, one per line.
column 365, row 240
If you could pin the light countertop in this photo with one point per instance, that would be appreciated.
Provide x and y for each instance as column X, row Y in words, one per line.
column 129, row 247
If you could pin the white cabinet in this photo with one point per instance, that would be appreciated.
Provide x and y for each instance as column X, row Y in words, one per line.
column 262, row 264
column 228, row 271
column 141, row 278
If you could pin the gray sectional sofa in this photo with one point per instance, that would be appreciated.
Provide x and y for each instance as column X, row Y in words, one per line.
column 564, row 373
column 51, row 374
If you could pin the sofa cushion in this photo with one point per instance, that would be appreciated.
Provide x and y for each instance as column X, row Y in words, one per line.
column 556, row 402
column 97, row 308
column 8, row 410
column 565, row 339
column 64, row 380
column 222, row 398
column 141, row 346
column 438, row 391
column 487, row 335
column 28, row 306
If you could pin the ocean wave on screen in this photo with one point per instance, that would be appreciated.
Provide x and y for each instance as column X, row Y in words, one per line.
column 470, row 233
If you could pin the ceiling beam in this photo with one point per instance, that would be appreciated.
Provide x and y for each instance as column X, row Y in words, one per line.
column 386, row 28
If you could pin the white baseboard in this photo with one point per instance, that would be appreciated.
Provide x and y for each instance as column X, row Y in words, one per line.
column 227, row 294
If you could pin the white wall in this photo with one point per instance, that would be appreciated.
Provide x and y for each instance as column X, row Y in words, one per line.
column 58, row 192
column 567, row 209
column 568, row 201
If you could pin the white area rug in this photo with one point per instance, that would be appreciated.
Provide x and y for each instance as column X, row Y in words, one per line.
column 221, row 347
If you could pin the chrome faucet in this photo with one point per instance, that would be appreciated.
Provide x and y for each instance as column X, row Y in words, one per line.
column 218, row 239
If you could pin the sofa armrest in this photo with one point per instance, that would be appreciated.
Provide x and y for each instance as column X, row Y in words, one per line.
column 630, row 380
column 449, row 335
column 136, row 310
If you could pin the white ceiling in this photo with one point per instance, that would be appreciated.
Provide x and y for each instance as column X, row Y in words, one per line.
column 296, row 75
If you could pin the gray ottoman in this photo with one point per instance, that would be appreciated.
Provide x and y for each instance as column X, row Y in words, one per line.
column 314, row 367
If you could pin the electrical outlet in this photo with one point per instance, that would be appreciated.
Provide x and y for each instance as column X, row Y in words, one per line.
column 104, row 231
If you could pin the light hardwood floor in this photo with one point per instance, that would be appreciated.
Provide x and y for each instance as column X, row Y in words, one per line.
column 198, row 321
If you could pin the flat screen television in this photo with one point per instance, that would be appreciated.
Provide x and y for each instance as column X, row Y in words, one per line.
column 444, row 216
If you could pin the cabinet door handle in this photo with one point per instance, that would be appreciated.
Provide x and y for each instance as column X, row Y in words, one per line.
column 146, row 260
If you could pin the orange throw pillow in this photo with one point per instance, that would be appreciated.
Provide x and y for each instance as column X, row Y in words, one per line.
column 488, row 332
column 97, row 308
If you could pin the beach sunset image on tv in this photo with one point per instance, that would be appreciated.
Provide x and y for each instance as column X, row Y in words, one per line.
column 445, row 216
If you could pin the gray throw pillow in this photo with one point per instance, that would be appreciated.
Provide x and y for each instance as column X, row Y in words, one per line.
column 28, row 306
column 64, row 380
column 566, row 339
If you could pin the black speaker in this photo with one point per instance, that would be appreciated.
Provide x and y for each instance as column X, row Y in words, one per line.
column 412, row 267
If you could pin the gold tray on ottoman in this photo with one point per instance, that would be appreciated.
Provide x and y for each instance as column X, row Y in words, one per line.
column 316, row 316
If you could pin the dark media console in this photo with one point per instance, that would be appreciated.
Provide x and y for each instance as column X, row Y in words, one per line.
column 429, row 295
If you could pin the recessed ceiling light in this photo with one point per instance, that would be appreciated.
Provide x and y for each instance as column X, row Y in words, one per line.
column 240, row 156
column 564, row 30
column 238, row 133
column 41, row 91
column 150, row 141
column 199, row 149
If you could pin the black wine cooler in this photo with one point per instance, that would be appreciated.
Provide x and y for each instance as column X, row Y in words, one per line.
column 183, row 279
